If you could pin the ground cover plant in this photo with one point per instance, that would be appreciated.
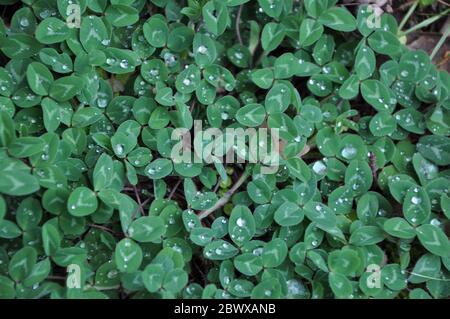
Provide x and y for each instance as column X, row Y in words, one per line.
column 93, row 204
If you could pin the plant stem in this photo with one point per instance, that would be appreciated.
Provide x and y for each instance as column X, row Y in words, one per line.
column 217, row 185
column 407, row 15
column 103, row 228
column 238, row 21
column 174, row 189
column 440, row 43
column 227, row 196
column 136, row 192
column 426, row 22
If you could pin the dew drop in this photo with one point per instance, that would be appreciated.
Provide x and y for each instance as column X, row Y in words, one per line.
column 202, row 49
column 348, row 152
column 240, row 222
column 119, row 149
column 124, row 64
column 319, row 168
column 24, row 22
column 102, row 103
column 416, row 200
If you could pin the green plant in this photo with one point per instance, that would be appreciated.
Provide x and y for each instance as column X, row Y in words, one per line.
column 357, row 208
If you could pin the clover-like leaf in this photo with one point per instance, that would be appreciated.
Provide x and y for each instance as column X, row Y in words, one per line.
column 338, row 18
column 52, row 30
column 434, row 240
column 82, row 202
column 147, row 229
column 128, row 255
column 241, row 226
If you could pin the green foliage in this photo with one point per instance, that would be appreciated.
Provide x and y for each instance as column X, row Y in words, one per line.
column 358, row 207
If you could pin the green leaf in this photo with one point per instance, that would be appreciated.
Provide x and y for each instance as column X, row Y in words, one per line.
column 393, row 277
column 122, row 144
column 82, row 202
column 272, row 35
column 7, row 132
column 434, row 240
column 272, row 9
column 435, row 148
column 321, row 215
column 215, row 15
column 20, row 46
column 18, row 183
column 21, row 263
column 175, row 280
column 220, row 250
column 358, row 177
column 378, row 95
column 384, row 42
column 414, row 66
column 153, row 276
column 204, row 49
column 263, row 78
column 340, row 285
column 241, row 225
column 103, row 172
column 277, row 99
column 39, row 78
column 26, row 146
column 65, row 88
column 93, row 33
column 188, row 80
column 298, row 168
column 128, row 255
column 267, row 289
column 339, row 19
column 51, row 113
column 156, row 31
column 51, row 238
column 382, row 124
column 274, row 253
column 344, row 262
column 147, row 229
column 159, row 168
column 310, row 31
column 7, row 290
column 38, row 273
column 52, row 30
column 365, row 62
column 416, row 205
column 289, row 214
column 9, row 230
column 121, row 15
column 366, row 235
column 248, row 264
column 398, row 227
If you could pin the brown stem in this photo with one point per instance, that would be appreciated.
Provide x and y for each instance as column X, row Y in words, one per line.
column 192, row 106
column 226, row 197
column 145, row 202
column 136, row 192
column 174, row 189
column 103, row 228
